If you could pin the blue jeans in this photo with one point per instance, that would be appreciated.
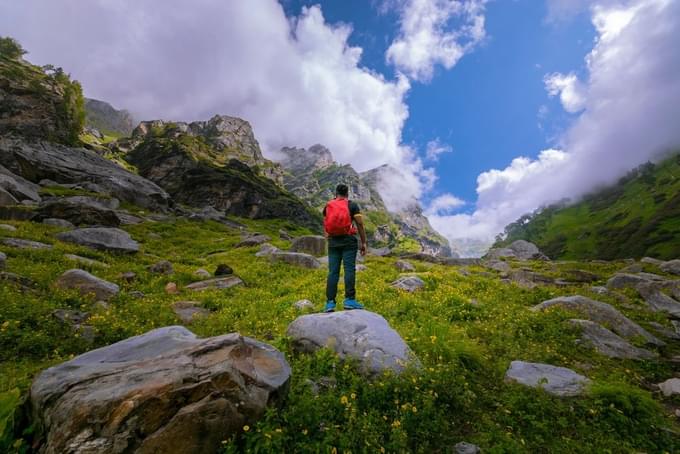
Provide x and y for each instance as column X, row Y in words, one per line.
column 348, row 255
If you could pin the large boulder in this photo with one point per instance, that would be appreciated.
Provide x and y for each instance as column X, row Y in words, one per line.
column 101, row 238
column 657, row 300
column 558, row 381
column 519, row 249
column 163, row 391
column 359, row 334
column 296, row 258
column 309, row 244
column 625, row 280
column 17, row 187
column 672, row 267
column 599, row 312
column 36, row 161
column 7, row 199
column 81, row 210
column 608, row 343
column 87, row 284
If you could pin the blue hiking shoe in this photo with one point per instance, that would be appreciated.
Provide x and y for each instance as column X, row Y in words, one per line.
column 330, row 307
column 351, row 304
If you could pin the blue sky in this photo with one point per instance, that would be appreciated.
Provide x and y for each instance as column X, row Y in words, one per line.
column 486, row 108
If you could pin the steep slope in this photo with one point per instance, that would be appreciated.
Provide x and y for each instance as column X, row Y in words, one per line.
column 312, row 175
column 103, row 117
column 638, row 216
column 217, row 163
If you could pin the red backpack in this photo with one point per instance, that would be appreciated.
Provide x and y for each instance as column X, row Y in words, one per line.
column 338, row 220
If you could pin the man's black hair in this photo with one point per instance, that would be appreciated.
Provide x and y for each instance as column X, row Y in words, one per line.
column 342, row 190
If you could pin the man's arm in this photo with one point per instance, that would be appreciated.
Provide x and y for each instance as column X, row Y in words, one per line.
column 362, row 232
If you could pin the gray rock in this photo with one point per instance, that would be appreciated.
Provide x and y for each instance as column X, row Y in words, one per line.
column 162, row 267
column 128, row 219
column 3, row 260
column 599, row 290
column 137, row 294
column 409, row 283
column 189, row 311
column 23, row 282
column 497, row 265
column 254, row 240
column 17, row 187
column 361, row 267
column 651, row 276
column 266, row 250
column 58, row 223
column 404, row 266
column 102, row 238
column 87, row 284
column 581, row 276
column 359, row 334
column 80, row 210
column 7, row 227
column 530, row 279
column 163, row 391
column 309, row 244
column 600, row 312
column 25, row 244
column 323, row 260
column 202, row 273
column 659, row 301
column 285, row 235
column 217, row 283
column 608, row 343
column 296, row 258
column 70, row 317
column 668, row 333
column 652, row 261
column 670, row 387
column 525, row 250
column 466, row 448
column 634, row 268
column 380, row 252
column 672, row 267
column 304, row 305
column 558, row 381
column 40, row 160
column 624, row 280
column 128, row 276
column 498, row 253
column 7, row 199
column 85, row 261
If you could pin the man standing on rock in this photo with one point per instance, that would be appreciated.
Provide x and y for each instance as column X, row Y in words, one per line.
column 340, row 215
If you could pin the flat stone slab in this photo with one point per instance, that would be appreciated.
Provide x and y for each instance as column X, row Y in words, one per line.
column 87, row 284
column 165, row 391
column 296, row 258
column 555, row 380
column 599, row 312
column 409, row 283
column 189, row 311
column 608, row 343
column 358, row 334
column 25, row 244
column 217, row 283
column 101, row 238
column 623, row 280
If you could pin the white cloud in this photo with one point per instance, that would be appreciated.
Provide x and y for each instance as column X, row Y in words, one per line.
column 429, row 37
column 569, row 89
column 297, row 80
column 443, row 205
column 435, row 148
column 630, row 116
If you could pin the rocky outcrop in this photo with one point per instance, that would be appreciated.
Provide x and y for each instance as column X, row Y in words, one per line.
column 599, row 312
column 361, row 335
column 87, row 284
column 101, row 238
column 42, row 160
column 672, row 267
column 657, row 300
column 197, row 174
column 103, row 117
column 17, row 188
column 558, row 381
column 608, row 343
column 80, row 210
column 163, row 391
column 309, row 244
column 520, row 250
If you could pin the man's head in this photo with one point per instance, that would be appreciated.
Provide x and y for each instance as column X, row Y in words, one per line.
column 341, row 190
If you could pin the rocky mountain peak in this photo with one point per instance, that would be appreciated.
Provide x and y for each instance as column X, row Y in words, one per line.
column 316, row 157
column 104, row 117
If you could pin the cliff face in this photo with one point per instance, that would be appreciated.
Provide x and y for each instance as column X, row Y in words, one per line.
column 312, row 175
column 106, row 119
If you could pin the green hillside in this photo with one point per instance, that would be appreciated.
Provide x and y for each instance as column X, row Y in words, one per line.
column 638, row 216
column 466, row 326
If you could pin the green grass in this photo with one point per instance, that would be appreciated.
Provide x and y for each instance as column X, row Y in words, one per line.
column 464, row 348
column 638, row 216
